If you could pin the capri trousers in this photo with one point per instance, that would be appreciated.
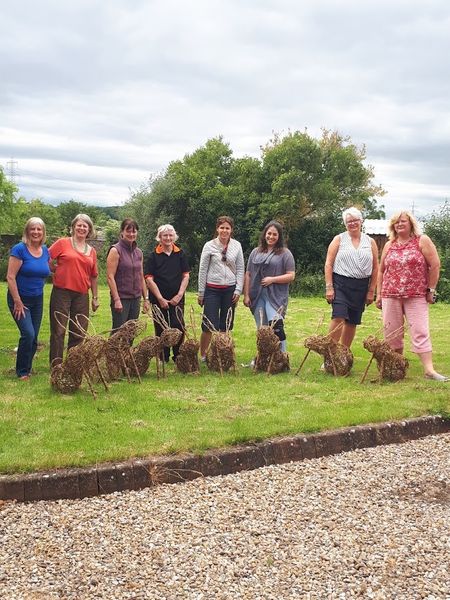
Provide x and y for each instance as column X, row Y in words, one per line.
column 415, row 311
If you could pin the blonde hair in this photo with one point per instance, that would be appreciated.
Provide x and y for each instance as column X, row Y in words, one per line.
column 30, row 223
column 415, row 229
column 163, row 229
column 87, row 220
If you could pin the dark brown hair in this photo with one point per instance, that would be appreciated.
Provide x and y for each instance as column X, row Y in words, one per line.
column 129, row 224
column 225, row 219
column 263, row 247
column 220, row 221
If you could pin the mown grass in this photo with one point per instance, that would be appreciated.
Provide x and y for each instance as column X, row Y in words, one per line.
column 41, row 429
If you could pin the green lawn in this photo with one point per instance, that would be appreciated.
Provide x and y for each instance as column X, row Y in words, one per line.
column 41, row 429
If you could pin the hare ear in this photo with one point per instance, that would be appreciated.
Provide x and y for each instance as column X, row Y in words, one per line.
column 158, row 317
column 261, row 316
column 180, row 317
column 193, row 323
column 209, row 326
column 229, row 320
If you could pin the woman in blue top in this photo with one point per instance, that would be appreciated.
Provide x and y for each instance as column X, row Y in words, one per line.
column 28, row 269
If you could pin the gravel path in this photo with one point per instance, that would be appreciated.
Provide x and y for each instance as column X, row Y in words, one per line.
column 373, row 523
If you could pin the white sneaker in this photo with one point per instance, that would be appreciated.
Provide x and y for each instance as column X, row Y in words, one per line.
column 251, row 364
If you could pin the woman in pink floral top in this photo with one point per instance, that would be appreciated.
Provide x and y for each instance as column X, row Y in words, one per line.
column 408, row 275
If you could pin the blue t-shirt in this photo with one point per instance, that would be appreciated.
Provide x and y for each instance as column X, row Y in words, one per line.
column 34, row 271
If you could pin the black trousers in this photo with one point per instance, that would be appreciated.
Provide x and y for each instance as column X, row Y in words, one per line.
column 170, row 316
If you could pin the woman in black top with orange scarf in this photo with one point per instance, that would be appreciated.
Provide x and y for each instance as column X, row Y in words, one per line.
column 167, row 277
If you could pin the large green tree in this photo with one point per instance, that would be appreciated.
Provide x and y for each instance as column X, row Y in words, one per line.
column 308, row 177
column 302, row 181
column 190, row 195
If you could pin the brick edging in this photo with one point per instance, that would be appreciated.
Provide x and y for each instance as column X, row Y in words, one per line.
column 140, row 473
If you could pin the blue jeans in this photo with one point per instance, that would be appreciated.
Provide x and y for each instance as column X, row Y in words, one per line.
column 29, row 330
column 264, row 309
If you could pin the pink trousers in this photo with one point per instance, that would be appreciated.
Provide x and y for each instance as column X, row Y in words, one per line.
column 415, row 311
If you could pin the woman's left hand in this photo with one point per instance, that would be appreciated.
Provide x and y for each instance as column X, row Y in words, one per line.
column 431, row 297
column 236, row 298
column 369, row 297
column 19, row 310
column 175, row 300
column 95, row 304
column 265, row 281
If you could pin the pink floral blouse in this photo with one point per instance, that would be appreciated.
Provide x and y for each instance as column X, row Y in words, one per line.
column 405, row 271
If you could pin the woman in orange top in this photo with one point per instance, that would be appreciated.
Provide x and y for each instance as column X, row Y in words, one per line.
column 75, row 272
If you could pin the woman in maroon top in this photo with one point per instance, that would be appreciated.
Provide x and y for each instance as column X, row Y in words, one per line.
column 408, row 275
column 125, row 275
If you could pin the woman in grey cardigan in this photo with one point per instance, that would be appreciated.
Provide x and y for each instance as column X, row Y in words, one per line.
column 220, row 280
column 270, row 270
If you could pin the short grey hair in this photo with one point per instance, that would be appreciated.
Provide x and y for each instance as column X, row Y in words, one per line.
column 30, row 223
column 352, row 212
column 164, row 229
column 87, row 219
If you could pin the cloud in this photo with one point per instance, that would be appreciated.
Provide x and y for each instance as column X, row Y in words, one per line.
column 96, row 96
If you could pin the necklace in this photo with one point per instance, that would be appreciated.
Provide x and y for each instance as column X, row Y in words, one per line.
column 75, row 247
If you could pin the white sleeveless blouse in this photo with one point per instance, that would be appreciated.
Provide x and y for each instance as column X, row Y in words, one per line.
column 351, row 261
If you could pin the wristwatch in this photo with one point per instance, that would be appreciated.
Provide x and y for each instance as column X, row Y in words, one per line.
column 431, row 290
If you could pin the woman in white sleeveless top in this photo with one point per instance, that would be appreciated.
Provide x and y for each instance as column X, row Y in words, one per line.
column 351, row 270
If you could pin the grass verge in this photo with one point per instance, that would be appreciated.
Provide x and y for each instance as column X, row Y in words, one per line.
column 41, row 429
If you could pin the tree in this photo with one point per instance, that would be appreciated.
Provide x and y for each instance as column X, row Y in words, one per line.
column 69, row 210
column 190, row 195
column 302, row 181
column 313, row 178
column 36, row 208
column 437, row 226
column 7, row 199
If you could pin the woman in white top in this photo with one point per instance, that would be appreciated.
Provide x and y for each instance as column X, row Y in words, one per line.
column 351, row 270
column 220, row 280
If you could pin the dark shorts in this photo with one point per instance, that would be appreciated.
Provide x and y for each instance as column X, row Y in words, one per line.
column 216, row 303
column 349, row 298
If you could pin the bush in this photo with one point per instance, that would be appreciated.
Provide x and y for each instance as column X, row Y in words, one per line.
column 4, row 258
column 443, row 290
column 308, row 285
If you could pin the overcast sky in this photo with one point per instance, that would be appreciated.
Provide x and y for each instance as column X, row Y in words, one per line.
column 97, row 95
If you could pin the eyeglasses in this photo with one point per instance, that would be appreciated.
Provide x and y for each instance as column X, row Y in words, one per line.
column 224, row 255
column 353, row 222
